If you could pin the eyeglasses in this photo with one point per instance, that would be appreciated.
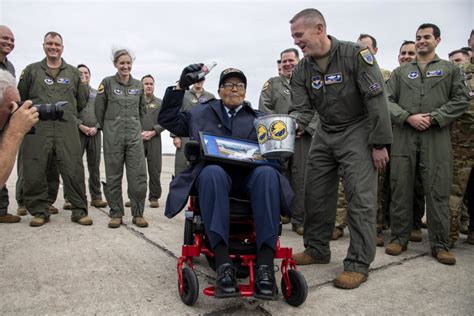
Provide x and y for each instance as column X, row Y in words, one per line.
column 229, row 86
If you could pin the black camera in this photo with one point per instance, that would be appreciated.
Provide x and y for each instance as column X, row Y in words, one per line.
column 50, row 111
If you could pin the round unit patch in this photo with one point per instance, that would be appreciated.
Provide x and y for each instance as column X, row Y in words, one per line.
column 278, row 130
column 262, row 134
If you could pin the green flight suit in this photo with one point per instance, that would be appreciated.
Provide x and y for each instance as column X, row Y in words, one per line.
column 153, row 147
column 353, row 116
column 462, row 137
column 190, row 100
column 91, row 145
column 275, row 98
column 119, row 109
column 57, row 140
column 441, row 91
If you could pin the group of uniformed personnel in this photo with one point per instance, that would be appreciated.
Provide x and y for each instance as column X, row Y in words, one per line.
column 352, row 119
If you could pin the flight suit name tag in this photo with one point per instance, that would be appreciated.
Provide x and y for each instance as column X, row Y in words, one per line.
column 118, row 92
column 434, row 73
column 202, row 100
column 413, row 74
column 134, row 91
column 63, row 80
column 49, row 81
column 333, row 78
column 316, row 82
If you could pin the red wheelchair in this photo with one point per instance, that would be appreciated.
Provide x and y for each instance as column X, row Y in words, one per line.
column 242, row 249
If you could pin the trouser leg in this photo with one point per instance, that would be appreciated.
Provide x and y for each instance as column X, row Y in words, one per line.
column 213, row 186
column 297, row 169
column 114, row 161
column 4, row 200
column 261, row 186
column 418, row 200
column 154, row 161
column 320, row 199
column 136, row 176
column 92, row 146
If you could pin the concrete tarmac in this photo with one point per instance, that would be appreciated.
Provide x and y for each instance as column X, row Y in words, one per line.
column 63, row 268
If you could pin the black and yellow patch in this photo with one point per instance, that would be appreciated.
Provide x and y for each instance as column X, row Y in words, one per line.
column 266, row 85
column 101, row 89
column 367, row 56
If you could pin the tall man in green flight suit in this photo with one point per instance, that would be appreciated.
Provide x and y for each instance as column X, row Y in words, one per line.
column 275, row 99
column 343, row 83
column 192, row 98
column 152, row 140
column 426, row 96
column 49, row 81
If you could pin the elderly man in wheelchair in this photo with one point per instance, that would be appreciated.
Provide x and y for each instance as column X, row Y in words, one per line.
column 268, row 191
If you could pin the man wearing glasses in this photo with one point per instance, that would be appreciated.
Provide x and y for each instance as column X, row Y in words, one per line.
column 269, row 191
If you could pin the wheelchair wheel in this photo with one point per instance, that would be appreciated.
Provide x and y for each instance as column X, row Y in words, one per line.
column 299, row 288
column 190, row 287
column 188, row 232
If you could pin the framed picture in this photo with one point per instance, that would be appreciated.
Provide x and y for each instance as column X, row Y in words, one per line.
column 233, row 150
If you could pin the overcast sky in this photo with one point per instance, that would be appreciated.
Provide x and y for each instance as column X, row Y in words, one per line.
column 168, row 35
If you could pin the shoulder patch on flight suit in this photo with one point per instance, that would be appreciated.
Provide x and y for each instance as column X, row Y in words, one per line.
column 434, row 73
column 367, row 56
column 375, row 87
column 101, row 89
column 266, row 85
column 22, row 74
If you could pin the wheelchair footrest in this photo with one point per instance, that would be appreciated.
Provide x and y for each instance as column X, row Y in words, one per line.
column 245, row 290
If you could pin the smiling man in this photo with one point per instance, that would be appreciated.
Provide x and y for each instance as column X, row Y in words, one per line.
column 49, row 81
column 342, row 82
column 268, row 191
column 426, row 96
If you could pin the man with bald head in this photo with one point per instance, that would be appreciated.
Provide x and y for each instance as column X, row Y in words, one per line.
column 342, row 82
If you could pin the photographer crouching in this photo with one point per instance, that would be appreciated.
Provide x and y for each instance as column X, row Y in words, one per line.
column 15, row 123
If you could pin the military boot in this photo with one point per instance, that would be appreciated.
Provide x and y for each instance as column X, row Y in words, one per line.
column 416, row 235
column 470, row 237
column 298, row 229
column 443, row 256
column 98, row 203
column 395, row 249
column 21, row 211
column 9, row 219
column 39, row 220
column 154, row 203
column 285, row 219
column 128, row 204
column 337, row 233
column 305, row 259
column 54, row 210
column 140, row 221
column 379, row 242
column 349, row 280
column 67, row 205
column 115, row 222
column 84, row 220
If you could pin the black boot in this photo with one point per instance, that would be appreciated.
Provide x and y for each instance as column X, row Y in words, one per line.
column 226, row 282
column 265, row 285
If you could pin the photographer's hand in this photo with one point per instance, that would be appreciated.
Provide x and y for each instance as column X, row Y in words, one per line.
column 22, row 120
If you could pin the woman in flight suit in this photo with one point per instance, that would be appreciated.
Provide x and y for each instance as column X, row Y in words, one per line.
column 120, row 107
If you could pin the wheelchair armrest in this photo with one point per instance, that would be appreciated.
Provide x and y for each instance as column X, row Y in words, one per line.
column 192, row 151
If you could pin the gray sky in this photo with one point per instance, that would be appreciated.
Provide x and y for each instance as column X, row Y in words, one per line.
column 168, row 35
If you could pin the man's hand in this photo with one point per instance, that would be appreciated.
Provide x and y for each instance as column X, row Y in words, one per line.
column 186, row 78
column 299, row 132
column 84, row 129
column 23, row 119
column 147, row 135
column 420, row 122
column 92, row 131
column 380, row 157
column 177, row 142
